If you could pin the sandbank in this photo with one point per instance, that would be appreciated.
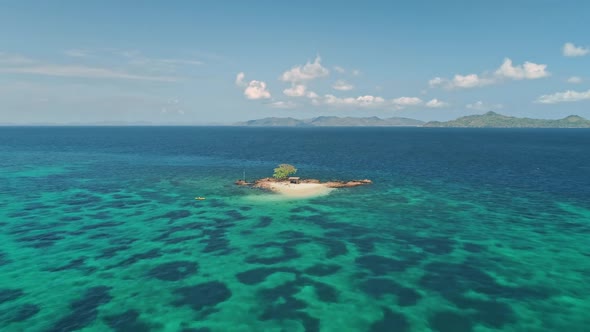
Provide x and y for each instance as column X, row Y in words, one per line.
column 299, row 190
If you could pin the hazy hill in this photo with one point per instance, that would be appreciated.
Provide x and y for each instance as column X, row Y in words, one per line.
column 495, row 120
column 333, row 121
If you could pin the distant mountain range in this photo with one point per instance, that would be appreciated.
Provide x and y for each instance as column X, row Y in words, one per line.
column 333, row 121
column 495, row 120
column 487, row 120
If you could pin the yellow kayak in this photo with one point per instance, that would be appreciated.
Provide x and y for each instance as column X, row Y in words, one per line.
column 200, row 198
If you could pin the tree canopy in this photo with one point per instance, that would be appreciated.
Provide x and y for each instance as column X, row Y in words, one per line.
column 284, row 171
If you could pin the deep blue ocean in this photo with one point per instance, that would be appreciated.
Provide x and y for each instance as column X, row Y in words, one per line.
column 461, row 230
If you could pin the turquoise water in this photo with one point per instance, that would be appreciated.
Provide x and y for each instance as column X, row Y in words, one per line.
column 462, row 230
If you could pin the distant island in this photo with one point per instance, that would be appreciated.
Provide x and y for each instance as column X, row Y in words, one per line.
column 487, row 120
column 283, row 183
column 334, row 121
column 495, row 120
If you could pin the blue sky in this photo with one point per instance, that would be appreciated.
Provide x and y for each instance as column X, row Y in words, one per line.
column 199, row 62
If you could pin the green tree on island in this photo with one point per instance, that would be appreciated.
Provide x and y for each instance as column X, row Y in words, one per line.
column 283, row 171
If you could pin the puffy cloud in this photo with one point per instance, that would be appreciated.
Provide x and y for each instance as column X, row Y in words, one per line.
column 307, row 72
column 481, row 106
column 362, row 101
column 569, row 49
column 342, row 85
column 574, row 80
column 297, row 90
column 339, row 69
column 256, row 90
column 562, row 97
column 283, row 104
column 312, row 95
column 435, row 82
column 356, row 72
column 528, row 70
column 507, row 70
column 367, row 101
column 253, row 89
column 469, row 81
column 435, row 103
column 240, row 79
column 407, row 101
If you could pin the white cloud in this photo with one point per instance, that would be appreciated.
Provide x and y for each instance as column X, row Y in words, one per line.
column 342, row 85
column 76, row 53
column 407, row 101
column 283, row 104
column 14, row 59
column 574, row 80
column 481, row 106
column 307, row 72
column 561, row 97
column 17, row 64
column 356, row 72
column 312, row 95
column 469, row 81
column 435, row 103
column 435, row 82
column 367, row 101
column 507, row 70
column 297, row 90
column 361, row 101
column 339, row 69
column 240, row 79
column 256, row 90
column 569, row 49
column 81, row 71
column 528, row 70
column 253, row 89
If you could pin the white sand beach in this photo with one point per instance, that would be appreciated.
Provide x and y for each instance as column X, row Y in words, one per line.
column 299, row 190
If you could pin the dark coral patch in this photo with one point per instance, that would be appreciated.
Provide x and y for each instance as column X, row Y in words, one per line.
column 288, row 253
column 154, row 253
column 74, row 264
column 174, row 271
column 8, row 294
column 20, row 313
column 202, row 296
column 4, row 259
column 126, row 322
column 175, row 215
column 325, row 292
column 322, row 270
column 448, row 321
column 380, row 265
column 258, row 275
column 493, row 314
column 433, row 245
column 264, row 222
column 290, row 309
column 452, row 280
column 377, row 287
column 472, row 247
column 335, row 248
column 70, row 218
column 42, row 240
column 112, row 251
column 84, row 310
column 391, row 321
column 104, row 224
column 235, row 215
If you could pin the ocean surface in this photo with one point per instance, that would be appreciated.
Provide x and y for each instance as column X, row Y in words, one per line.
column 462, row 230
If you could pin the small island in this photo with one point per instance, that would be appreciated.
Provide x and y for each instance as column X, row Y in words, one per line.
column 282, row 182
